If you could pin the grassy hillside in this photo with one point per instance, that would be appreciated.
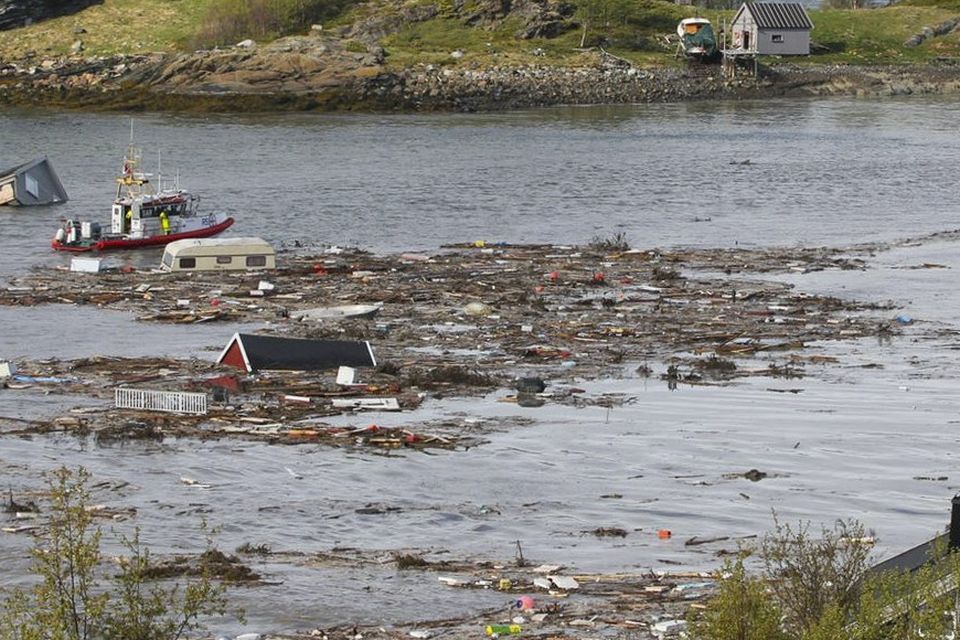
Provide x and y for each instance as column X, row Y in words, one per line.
column 878, row 35
column 116, row 26
column 637, row 30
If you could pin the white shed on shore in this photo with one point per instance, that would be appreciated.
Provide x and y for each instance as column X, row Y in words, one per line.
column 772, row 28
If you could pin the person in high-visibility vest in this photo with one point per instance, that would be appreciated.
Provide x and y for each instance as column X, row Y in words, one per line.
column 165, row 222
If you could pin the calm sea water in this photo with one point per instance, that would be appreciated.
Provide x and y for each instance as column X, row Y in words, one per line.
column 820, row 172
column 856, row 442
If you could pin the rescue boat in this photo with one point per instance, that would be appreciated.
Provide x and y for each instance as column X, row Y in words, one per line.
column 143, row 215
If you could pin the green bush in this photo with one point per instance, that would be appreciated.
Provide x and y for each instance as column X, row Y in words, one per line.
column 908, row 606
column 742, row 610
column 72, row 601
column 230, row 21
column 810, row 574
column 819, row 588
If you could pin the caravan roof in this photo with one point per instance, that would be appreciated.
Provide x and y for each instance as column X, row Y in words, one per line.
column 211, row 245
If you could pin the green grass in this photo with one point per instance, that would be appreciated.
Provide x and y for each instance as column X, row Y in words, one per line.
column 116, row 26
column 433, row 41
column 636, row 36
column 952, row 5
column 636, row 31
column 877, row 35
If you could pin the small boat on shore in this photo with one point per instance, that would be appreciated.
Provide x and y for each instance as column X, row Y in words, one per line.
column 143, row 215
column 697, row 39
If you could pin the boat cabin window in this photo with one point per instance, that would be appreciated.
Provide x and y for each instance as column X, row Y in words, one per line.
column 188, row 263
column 224, row 259
column 256, row 261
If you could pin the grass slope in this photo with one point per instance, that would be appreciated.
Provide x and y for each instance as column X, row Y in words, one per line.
column 639, row 34
column 116, row 26
column 877, row 35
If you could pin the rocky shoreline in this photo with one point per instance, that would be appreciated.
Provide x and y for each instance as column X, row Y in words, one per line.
column 318, row 72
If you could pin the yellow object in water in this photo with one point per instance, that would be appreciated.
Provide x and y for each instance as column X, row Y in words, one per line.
column 504, row 629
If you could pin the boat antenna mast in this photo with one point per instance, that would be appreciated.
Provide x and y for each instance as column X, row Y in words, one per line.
column 132, row 176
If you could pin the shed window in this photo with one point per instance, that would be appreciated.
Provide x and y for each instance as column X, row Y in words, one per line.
column 224, row 259
column 776, row 37
column 256, row 261
column 188, row 263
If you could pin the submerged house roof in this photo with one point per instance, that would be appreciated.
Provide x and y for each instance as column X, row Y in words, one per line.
column 926, row 552
column 253, row 353
column 777, row 15
column 912, row 559
column 31, row 183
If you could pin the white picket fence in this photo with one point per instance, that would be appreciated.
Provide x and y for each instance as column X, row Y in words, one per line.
column 169, row 401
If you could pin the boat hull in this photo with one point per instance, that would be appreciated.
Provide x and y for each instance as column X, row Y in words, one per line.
column 113, row 244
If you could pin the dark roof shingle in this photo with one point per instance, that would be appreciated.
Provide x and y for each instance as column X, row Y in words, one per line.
column 295, row 354
column 913, row 559
column 779, row 15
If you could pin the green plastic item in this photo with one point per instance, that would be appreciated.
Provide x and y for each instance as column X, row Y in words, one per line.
column 504, row 629
column 704, row 38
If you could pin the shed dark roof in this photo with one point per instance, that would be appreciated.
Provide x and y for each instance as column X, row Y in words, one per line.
column 272, row 352
column 779, row 15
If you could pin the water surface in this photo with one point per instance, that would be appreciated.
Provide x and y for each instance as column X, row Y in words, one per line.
column 857, row 440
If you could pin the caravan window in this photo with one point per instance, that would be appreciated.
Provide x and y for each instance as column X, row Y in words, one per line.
column 224, row 259
column 188, row 263
column 256, row 261
column 167, row 259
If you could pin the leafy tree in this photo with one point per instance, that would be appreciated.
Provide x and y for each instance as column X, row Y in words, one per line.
column 72, row 601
